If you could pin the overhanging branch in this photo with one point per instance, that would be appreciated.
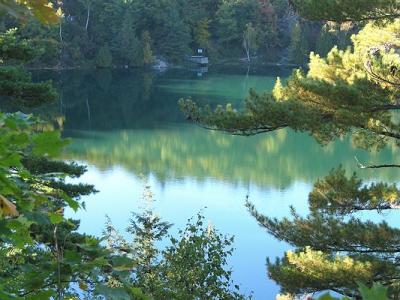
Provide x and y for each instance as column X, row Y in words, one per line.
column 362, row 166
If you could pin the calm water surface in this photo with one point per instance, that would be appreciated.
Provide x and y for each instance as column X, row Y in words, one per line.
column 126, row 126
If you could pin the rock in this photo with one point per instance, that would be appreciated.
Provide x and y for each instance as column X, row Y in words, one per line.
column 160, row 64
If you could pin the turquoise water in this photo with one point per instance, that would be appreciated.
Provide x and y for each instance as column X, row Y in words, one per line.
column 126, row 126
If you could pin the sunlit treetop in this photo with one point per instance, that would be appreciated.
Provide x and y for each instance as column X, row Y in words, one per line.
column 349, row 91
column 43, row 10
column 347, row 10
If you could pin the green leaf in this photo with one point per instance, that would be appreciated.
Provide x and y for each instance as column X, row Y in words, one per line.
column 327, row 296
column 48, row 143
column 56, row 218
column 71, row 202
column 122, row 263
column 138, row 294
column 112, row 293
column 41, row 295
column 377, row 292
column 12, row 160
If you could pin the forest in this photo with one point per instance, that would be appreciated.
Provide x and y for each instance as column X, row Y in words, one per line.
column 118, row 181
column 135, row 33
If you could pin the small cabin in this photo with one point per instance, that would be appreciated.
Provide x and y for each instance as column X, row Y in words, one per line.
column 199, row 59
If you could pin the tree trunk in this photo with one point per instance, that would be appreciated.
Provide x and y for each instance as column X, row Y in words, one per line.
column 246, row 47
column 87, row 17
column 60, row 32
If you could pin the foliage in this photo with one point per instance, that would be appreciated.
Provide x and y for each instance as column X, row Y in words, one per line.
column 42, row 10
column 348, row 92
column 336, row 251
column 15, row 82
column 41, row 253
column 177, row 28
column 174, row 37
column 129, row 46
column 195, row 264
column 250, row 40
column 192, row 267
column 347, row 10
column 376, row 292
column 277, row 91
column 104, row 57
column 299, row 48
column 341, row 195
column 326, row 41
column 38, row 244
column 146, row 41
column 202, row 33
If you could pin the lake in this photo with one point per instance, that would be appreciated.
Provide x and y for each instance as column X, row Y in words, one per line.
column 126, row 126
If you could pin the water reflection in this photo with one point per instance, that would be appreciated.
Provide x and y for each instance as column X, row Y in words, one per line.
column 115, row 99
column 125, row 123
column 130, row 118
column 172, row 153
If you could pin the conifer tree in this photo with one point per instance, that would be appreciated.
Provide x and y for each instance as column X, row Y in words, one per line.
column 146, row 41
column 298, row 48
column 104, row 57
column 326, row 41
column 15, row 82
column 202, row 34
column 129, row 46
column 277, row 92
column 348, row 92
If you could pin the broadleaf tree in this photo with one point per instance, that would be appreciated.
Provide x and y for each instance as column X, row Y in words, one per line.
column 41, row 252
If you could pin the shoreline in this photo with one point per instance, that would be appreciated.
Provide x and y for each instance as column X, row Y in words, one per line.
column 233, row 62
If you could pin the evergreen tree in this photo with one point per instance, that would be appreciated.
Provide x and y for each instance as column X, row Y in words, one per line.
column 15, row 82
column 346, row 10
column 193, row 267
column 202, row 34
column 298, row 48
column 350, row 92
column 277, row 92
column 104, row 57
column 129, row 46
column 87, row 25
column 42, row 255
column 146, row 41
column 174, row 37
column 228, row 30
column 326, row 41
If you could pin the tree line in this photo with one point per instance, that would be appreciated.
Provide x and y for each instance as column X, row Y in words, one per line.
column 106, row 33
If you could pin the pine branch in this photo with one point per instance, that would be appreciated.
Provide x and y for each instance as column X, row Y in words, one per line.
column 368, row 69
column 362, row 166
column 364, row 19
column 243, row 131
